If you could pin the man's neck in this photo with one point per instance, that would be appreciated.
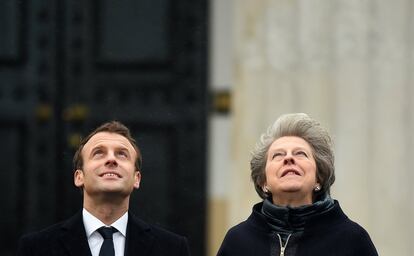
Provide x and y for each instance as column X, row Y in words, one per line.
column 107, row 212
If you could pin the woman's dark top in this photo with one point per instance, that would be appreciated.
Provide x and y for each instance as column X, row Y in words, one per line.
column 326, row 232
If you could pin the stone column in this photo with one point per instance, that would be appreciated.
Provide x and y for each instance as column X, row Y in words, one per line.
column 348, row 64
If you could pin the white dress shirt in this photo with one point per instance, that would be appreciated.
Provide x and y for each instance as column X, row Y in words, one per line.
column 95, row 239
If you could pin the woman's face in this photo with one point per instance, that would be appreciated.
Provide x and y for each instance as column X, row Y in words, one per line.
column 290, row 171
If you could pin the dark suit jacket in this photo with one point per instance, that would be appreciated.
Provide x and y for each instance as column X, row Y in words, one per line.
column 69, row 238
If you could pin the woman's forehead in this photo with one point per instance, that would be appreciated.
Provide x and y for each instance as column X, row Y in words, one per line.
column 290, row 141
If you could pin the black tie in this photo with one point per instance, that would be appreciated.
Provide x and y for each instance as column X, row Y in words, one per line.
column 107, row 248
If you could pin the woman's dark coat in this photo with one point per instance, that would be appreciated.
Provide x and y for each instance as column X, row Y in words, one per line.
column 327, row 234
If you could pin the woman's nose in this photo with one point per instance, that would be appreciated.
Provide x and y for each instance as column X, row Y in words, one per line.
column 289, row 159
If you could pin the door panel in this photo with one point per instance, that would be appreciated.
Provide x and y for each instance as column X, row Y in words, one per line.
column 66, row 67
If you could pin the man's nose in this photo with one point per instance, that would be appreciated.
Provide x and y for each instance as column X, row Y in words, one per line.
column 111, row 159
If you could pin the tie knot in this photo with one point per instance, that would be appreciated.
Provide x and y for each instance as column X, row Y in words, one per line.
column 106, row 232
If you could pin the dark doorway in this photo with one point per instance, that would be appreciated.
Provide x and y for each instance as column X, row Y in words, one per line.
column 67, row 66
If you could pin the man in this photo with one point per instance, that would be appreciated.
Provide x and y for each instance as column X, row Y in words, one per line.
column 107, row 169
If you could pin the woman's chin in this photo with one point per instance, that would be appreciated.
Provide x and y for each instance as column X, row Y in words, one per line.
column 291, row 187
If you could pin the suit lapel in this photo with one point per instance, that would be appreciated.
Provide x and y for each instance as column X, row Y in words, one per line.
column 73, row 236
column 139, row 239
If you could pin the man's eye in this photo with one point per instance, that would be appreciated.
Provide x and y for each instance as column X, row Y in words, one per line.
column 122, row 154
column 97, row 153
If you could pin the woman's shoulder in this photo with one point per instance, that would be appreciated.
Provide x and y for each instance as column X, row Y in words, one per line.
column 253, row 224
column 246, row 238
column 341, row 219
column 335, row 224
column 333, row 233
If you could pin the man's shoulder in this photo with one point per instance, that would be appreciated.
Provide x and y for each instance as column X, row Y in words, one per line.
column 51, row 233
column 42, row 242
column 48, row 232
column 164, row 233
column 149, row 237
column 155, row 230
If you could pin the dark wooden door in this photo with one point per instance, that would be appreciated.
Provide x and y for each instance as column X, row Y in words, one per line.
column 66, row 67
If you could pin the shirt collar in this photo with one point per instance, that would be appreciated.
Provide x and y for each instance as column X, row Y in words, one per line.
column 92, row 223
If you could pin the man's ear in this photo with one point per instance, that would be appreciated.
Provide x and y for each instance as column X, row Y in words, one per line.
column 78, row 178
column 137, row 179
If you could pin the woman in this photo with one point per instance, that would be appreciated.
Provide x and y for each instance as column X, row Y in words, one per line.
column 292, row 168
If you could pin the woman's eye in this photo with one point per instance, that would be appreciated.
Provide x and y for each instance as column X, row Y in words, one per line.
column 302, row 153
column 277, row 155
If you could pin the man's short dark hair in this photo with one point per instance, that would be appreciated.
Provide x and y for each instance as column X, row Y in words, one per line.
column 111, row 127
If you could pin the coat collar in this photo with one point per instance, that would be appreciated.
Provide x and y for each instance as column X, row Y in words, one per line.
column 139, row 237
column 73, row 236
column 324, row 220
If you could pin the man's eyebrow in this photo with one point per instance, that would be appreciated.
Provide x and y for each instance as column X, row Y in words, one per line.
column 97, row 147
column 123, row 148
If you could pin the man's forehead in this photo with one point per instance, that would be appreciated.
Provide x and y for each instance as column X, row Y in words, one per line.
column 102, row 138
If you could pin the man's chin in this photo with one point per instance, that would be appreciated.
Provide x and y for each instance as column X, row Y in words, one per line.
column 115, row 192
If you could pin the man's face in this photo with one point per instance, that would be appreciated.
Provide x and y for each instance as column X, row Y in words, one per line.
column 108, row 166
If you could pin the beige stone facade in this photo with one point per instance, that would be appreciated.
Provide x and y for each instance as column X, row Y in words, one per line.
column 348, row 64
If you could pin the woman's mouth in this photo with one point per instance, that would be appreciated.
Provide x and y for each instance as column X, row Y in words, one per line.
column 290, row 172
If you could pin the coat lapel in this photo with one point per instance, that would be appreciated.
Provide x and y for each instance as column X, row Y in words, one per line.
column 139, row 239
column 73, row 236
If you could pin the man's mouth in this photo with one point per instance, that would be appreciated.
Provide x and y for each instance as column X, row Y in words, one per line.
column 110, row 174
